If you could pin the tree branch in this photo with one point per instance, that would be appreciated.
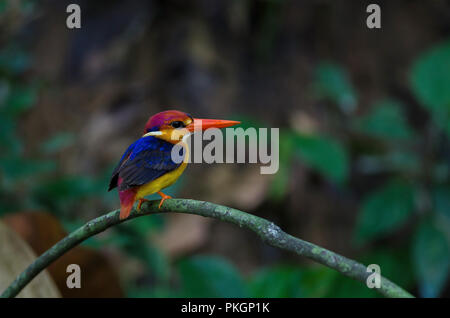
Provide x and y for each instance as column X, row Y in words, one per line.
column 267, row 231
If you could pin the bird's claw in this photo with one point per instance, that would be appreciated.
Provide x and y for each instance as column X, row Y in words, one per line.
column 164, row 197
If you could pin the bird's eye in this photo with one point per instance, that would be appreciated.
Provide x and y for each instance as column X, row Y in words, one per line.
column 177, row 124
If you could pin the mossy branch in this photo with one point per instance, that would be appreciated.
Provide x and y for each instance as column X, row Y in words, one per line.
column 267, row 231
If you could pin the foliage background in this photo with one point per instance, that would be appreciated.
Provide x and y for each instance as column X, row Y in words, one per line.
column 364, row 117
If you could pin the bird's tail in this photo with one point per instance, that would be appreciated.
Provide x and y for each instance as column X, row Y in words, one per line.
column 127, row 198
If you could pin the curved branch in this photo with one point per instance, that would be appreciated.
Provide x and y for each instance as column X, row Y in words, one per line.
column 267, row 231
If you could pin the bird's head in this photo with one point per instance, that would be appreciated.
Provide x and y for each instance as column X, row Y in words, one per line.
column 173, row 125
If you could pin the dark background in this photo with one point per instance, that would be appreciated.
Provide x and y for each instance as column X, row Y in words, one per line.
column 364, row 118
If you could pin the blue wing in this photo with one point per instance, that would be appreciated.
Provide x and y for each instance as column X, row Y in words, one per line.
column 145, row 160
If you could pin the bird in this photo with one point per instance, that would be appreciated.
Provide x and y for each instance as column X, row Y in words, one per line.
column 147, row 167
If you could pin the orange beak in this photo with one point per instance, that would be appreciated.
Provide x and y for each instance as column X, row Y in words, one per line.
column 203, row 124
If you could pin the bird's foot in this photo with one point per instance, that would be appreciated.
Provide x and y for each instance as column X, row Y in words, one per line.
column 164, row 197
column 140, row 203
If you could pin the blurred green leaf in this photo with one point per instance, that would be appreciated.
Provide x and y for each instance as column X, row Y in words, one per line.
column 431, row 255
column 402, row 160
column 158, row 263
column 277, row 282
column 154, row 259
column 392, row 161
column 28, row 6
column 386, row 120
column 2, row 6
column 429, row 80
column 325, row 154
column 279, row 185
column 13, row 61
column 384, row 210
column 4, row 90
column 16, row 168
column 58, row 194
column 441, row 171
column 67, row 186
column 10, row 143
column 333, row 83
column 20, row 99
column 441, row 200
column 58, row 142
column 206, row 276
column 344, row 287
column 318, row 281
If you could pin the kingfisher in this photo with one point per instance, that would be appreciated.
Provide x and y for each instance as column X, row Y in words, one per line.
column 147, row 166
